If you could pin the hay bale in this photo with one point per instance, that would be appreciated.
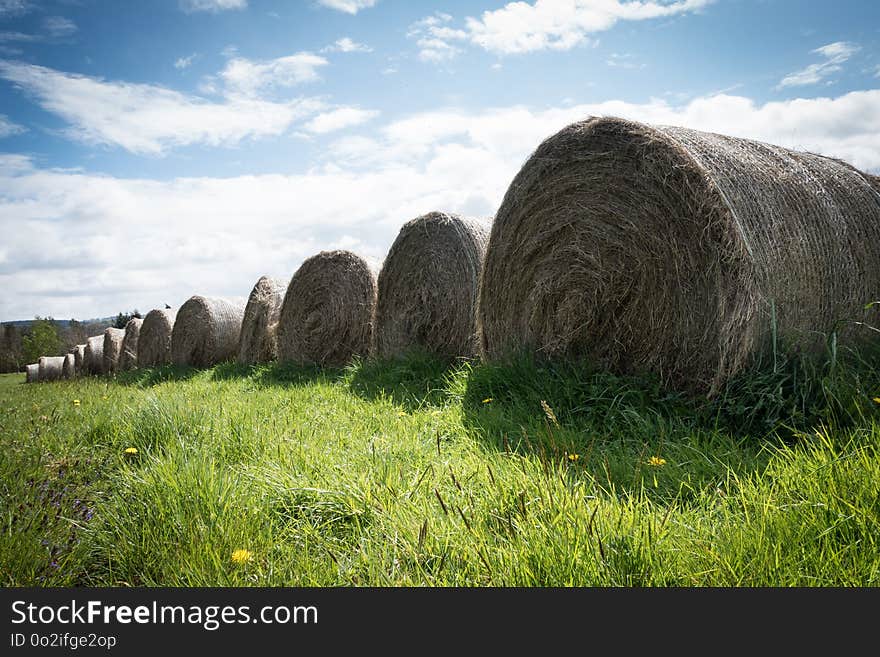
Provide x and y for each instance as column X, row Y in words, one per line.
column 327, row 313
column 154, row 340
column 257, row 342
column 68, row 367
column 79, row 353
column 428, row 285
column 206, row 331
column 32, row 373
column 113, row 338
column 129, row 355
column 51, row 368
column 93, row 356
column 674, row 251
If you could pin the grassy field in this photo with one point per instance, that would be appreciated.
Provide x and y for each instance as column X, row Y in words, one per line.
column 413, row 473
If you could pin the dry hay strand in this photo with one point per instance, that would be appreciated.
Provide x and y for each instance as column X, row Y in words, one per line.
column 206, row 331
column 68, row 367
column 128, row 358
column 428, row 286
column 677, row 252
column 32, row 373
column 154, row 340
column 93, row 356
column 327, row 313
column 113, row 338
column 258, row 341
column 51, row 368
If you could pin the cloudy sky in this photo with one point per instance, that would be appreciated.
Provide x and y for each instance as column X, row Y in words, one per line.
column 154, row 150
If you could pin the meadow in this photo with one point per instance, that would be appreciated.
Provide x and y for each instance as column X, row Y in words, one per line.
column 415, row 472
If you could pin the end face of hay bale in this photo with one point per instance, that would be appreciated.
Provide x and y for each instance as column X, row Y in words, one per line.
column 128, row 358
column 93, row 356
column 327, row 314
column 68, row 369
column 206, row 331
column 428, row 287
column 113, row 338
column 79, row 353
column 32, row 373
column 668, row 250
column 51, row 368
column 258, row 340
column 154, row 339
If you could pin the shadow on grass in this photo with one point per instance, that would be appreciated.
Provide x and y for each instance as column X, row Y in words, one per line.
column 155, row 375
column 291, row 374
column 413, row 382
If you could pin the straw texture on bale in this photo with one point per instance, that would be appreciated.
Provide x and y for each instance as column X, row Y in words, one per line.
column 206, row 331
column 154, row 340
column 68, row 367
column 327, row 314
column 428, row 285
column 258, row 341
column 128, row 359
column 32, row 373
column 93, row 356
column 113, row 338
column 673, row 251
column 51, row 368
column 79, row 353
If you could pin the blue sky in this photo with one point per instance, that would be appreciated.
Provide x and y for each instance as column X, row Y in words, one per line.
column 154, row 150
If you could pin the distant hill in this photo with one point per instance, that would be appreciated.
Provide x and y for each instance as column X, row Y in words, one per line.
column 64, row 323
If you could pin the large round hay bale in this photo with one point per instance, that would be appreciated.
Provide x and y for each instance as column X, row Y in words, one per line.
column 93, row 356
column 206, row 331
column 673, row 251
column 68, row 367
column 32, row 373
column 154, row 340
column 113, row 338
column 79, row 352
column 428, row 286
column 51, row 368
column 258, row 340
column 327, row 314
column 128, row 358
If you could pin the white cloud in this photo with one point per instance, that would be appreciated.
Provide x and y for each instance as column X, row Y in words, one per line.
column 58, row 26
column 8, row 128
column 149, row 119
column 345, row 44
column 835, row 54
column 348, row 6
column 14, row 7
column 625, row 60
column 184, row 62
column 134, row 251
column 521, row 27
column 337, row 119
column 213, row 6
column 250, row 78
column 433, row 37
column 17, row 37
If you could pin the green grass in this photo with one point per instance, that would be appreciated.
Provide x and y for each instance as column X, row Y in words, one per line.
column 416, row 473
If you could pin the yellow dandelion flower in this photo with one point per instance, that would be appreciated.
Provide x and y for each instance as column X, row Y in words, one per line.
column 131, row 450
column 573, row 457
column 877, row 399
column 105, row 397
column 551, row 416
column 656, row 461
column 241, row 557
column 401, row 413
column 487, row 400
column 76, row 402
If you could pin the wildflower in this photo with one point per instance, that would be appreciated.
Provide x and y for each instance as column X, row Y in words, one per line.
column 877, row 399
column 131, row 450
column 44, row 418
column 573, row 457
column 551, row 416
column 401, row 413
column 105, row 397
column 487, row 400
column 76, row 402
column 241, row 557
column 656, row 461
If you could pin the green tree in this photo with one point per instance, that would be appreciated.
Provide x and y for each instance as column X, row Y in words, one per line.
column 122, row 318
column 42, row 340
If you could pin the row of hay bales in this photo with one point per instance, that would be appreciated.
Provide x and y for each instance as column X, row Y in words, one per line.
column 635, row 247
